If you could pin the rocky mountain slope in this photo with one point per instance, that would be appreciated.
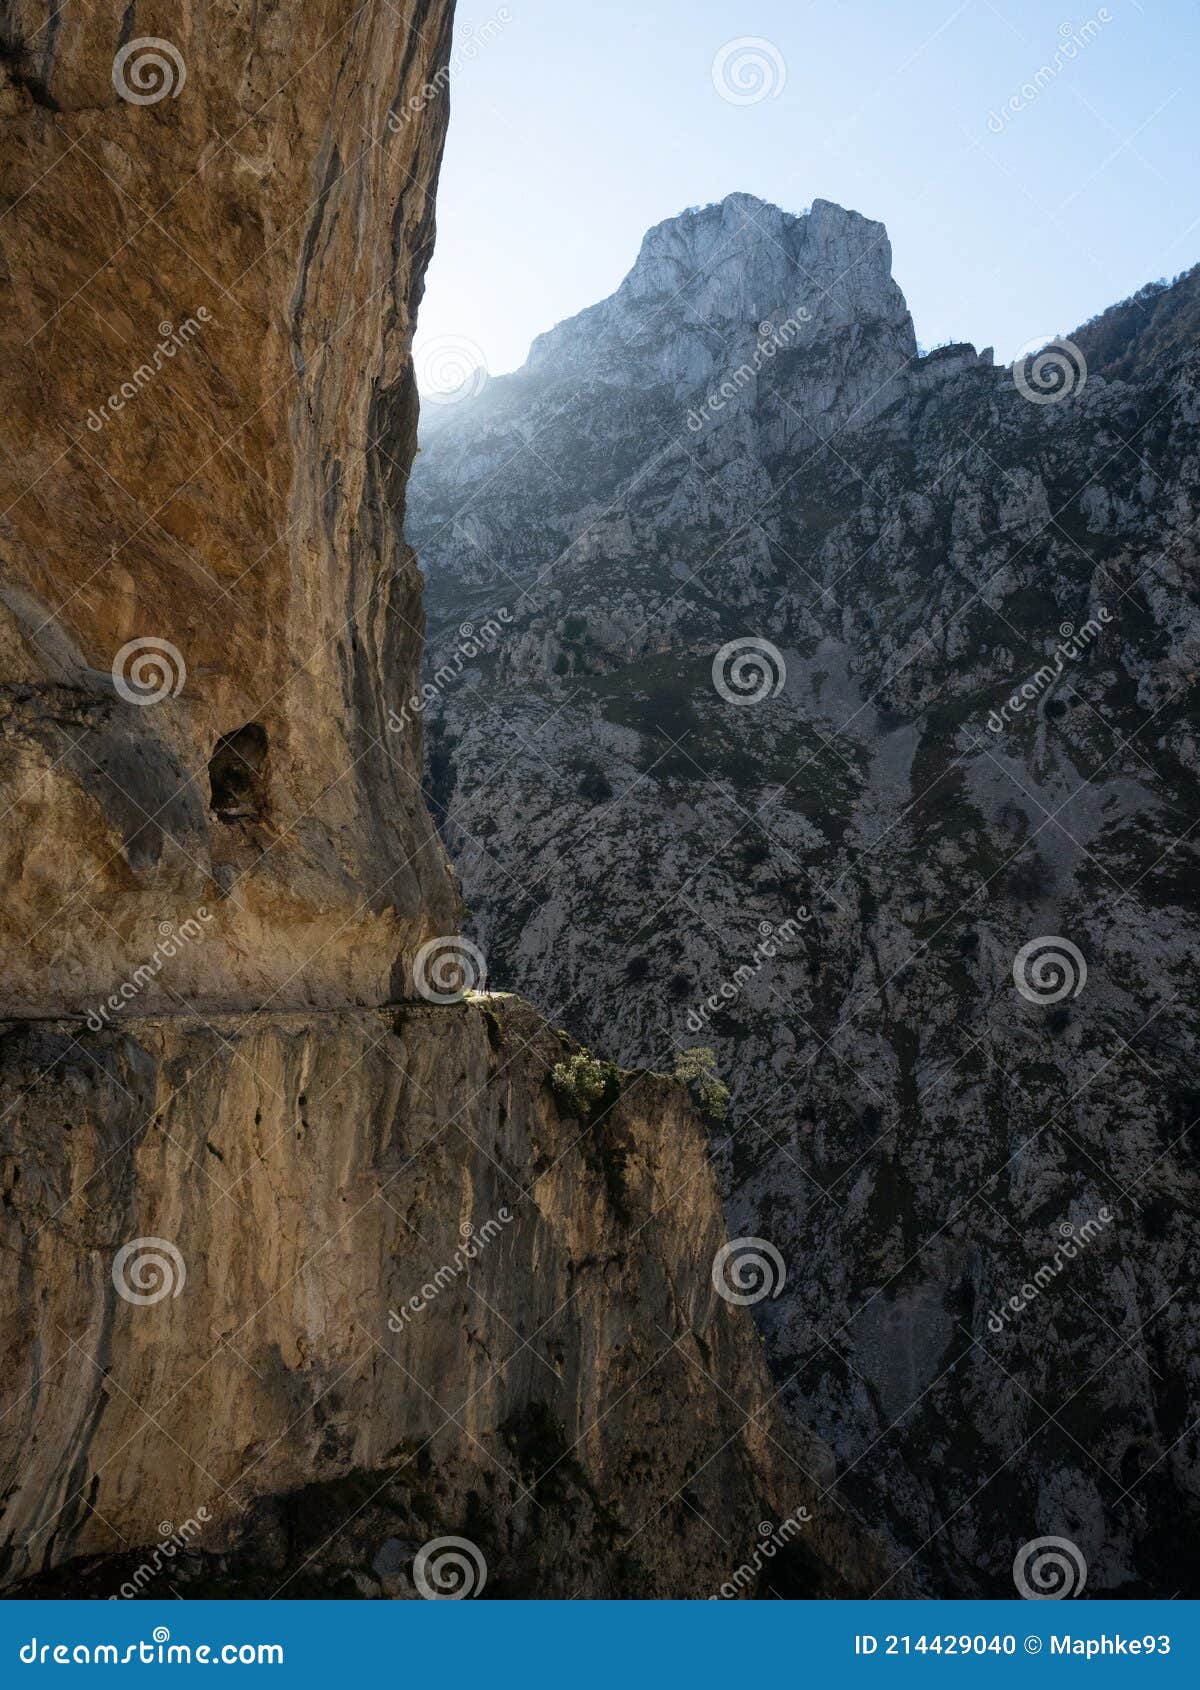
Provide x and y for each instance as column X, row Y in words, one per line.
column 309, row 1264
column 786, row 685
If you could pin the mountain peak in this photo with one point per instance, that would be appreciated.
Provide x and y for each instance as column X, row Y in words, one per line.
column 714, row 273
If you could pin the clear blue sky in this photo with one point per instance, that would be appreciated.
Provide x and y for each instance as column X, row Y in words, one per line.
column 577, row 126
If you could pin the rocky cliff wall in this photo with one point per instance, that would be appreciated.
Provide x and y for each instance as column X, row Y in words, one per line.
column 376, row 1261
column 206, row 302
column 293, row 1278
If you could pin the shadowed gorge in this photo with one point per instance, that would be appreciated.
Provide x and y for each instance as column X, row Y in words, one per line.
column 598, row 965
column 845, row 697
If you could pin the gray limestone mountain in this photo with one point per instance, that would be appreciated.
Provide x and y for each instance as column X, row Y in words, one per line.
column 957, row 717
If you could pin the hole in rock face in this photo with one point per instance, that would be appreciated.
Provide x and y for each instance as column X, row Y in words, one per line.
column 236, row 774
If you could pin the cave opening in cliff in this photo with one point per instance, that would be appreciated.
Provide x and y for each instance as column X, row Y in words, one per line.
column 237, row 775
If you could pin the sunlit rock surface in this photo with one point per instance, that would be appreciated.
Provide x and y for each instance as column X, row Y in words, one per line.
column 230, row 1160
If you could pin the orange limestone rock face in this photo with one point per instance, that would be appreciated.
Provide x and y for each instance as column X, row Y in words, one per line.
column 305, row 1275
column 214, row 225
